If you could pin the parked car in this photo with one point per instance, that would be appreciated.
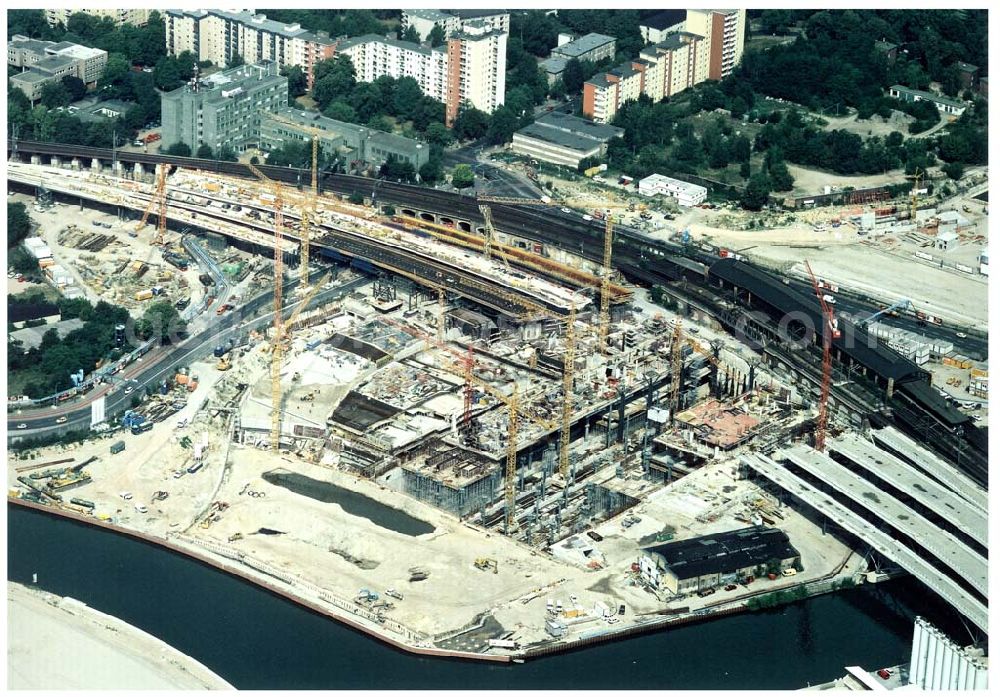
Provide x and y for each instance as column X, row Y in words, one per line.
column 21, row 426
column 61, row 420
column 885, row 673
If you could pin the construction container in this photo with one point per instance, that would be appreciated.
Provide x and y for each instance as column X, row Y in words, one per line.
column 192, row 385
column 978, row 373
column 214, row 187
column 144, row 294
column 47, row 262
column 117, row 447
column 182, row 379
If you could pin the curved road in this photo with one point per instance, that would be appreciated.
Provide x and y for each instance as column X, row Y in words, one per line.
column 159, row 364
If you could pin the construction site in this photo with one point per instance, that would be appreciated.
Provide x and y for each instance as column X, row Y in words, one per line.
column 405, row 405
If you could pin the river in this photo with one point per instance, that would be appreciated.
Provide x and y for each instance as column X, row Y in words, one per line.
column 257, row 640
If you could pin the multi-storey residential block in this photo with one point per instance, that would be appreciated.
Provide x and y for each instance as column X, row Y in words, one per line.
column 219, row 36
column 661, row 25
column 351, row 143
column 708, row 48
column 589, row 47
column 374, row 56
column 470, row 68
column 724, row 32
column 136, row 16
column 451, row 21
column 477, row 65
column 47, row 61
column 223, row 110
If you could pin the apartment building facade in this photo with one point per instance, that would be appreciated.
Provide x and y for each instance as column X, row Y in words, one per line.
column 225, row 109
column 374, row 56
column 724, row 31
column 708, row 48
column 471, row 66
column 477, row 69
column 137, row 16
column 43, row 62
column 452, row 21
column 661, row 70
column 219, row 36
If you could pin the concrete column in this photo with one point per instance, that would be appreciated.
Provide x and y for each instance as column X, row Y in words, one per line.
column 138, row 170
column 95, row 166
column 119, row 169
column 56, row 162
column 75, row 164
column 36, row 160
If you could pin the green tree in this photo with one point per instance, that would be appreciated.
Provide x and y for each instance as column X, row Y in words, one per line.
column 755, row 195
column 438, row 134
column 75, row 86
column 503, row 123
column 179, row 149
column 397, row 170
column 410, row 35
column 341, row 111
column 162, row 320
column 406, row 97
column 114, row 78
column 235, row 61
column 204, row 152
column 55, row 94
column 954, row 170
column 334, row 79
column 430, row 171
column 573, row 76
column 18, row 223
column 23, row 262
column 470, row 123
column 380, row 122
column 436, row 36
column 462, row 177
column 296, row 82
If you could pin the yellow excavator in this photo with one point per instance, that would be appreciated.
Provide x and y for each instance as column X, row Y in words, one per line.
column 223, row 363
column 484, row 564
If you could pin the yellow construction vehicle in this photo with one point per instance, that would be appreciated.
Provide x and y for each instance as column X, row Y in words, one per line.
column 223, row 364
column 484, row 564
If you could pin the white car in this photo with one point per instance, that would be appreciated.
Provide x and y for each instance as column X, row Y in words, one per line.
column 129, row 389
column 961, row 335
column 126, row 495
column 61, row 420
column 21, row 426
column 565, row 210
column 140, row 508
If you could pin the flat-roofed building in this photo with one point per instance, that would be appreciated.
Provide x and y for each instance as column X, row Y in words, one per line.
column 424, row 20
column 688, row 566
column 563, row 139
column 948, row 106
column 48, row 61
column 223, row 110
column 352, row 143
column 589, row 47
column 686, row 193
column 656, row 28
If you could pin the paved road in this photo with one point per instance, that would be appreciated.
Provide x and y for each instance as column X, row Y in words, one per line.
column 160, row 364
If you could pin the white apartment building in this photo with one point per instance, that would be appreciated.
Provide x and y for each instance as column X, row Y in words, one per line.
column 687, row 194
column 374, row 56
column 477, row 69
column 137, row 16
column 471, row 67
column 452, row 21
column 219, row 36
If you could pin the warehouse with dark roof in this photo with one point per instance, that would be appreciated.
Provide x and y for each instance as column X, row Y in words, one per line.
column 703, row 562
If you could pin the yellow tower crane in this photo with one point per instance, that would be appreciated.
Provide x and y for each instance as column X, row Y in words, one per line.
column 278, row 303
column 916, row 177
column 308, row 208
column 605, row 316
column 159, row 199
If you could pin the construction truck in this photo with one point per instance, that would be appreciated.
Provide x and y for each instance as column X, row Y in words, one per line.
column 484, row 564
column 223, row 364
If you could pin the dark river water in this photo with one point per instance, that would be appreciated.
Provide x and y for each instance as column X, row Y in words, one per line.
column 257, row 640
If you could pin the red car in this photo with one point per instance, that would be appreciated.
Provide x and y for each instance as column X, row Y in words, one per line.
column 884, row 673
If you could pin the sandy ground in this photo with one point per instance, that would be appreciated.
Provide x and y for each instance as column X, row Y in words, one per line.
column 58, row 643
column 810, row 181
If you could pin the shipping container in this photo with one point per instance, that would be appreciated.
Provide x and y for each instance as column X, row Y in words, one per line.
column 144, row 295
column 117, row 447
